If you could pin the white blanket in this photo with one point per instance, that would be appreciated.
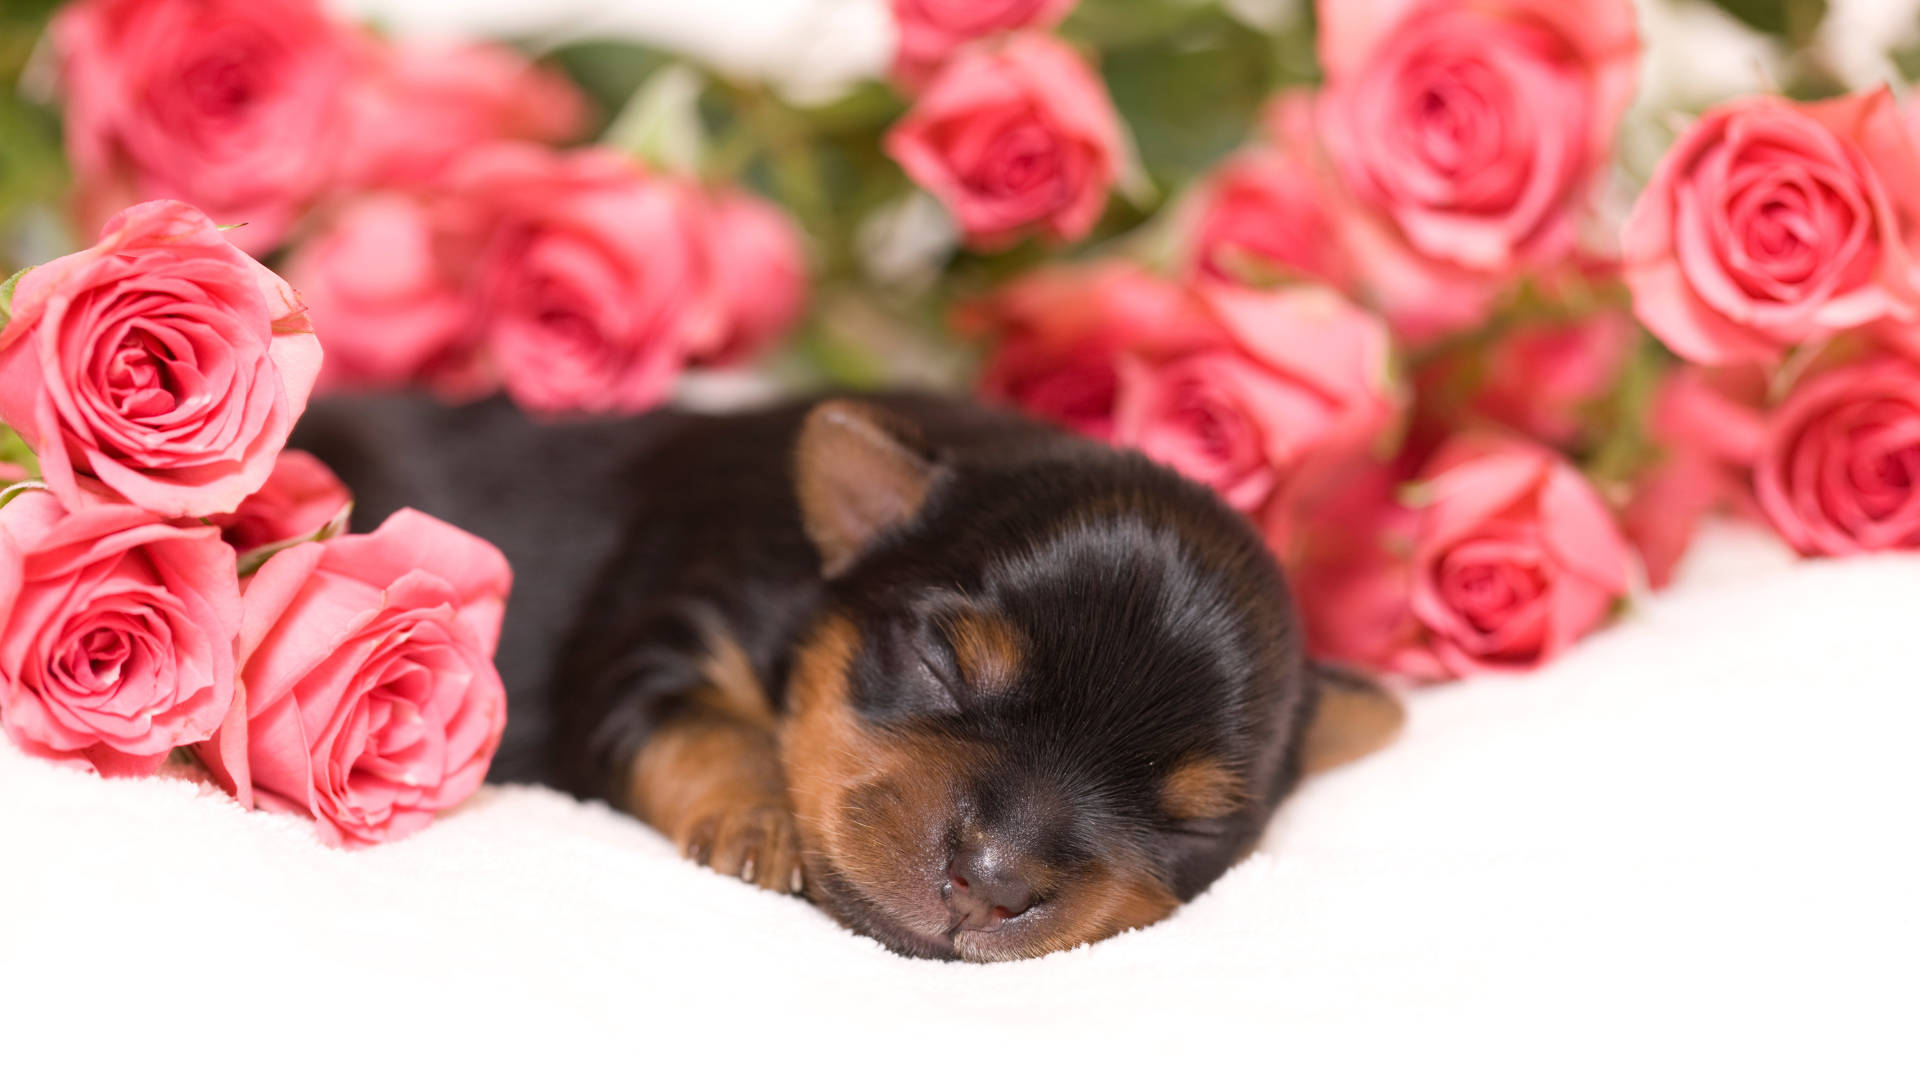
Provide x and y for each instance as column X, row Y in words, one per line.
column 1686, row 850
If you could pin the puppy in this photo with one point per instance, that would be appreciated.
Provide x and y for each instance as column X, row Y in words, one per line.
column 980, row 689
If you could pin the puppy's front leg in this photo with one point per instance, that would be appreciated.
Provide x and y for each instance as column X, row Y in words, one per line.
column 713, row 785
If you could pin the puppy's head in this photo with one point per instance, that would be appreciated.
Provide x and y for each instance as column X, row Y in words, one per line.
column 1048, row 701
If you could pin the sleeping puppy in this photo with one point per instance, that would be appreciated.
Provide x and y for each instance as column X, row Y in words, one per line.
column 979, row 688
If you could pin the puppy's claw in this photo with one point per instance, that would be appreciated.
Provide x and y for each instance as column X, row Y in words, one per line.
column 797, row 885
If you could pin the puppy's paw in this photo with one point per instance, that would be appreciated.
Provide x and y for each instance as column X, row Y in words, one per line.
column 757, row 844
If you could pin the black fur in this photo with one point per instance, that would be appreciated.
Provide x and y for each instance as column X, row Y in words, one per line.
column 1157, row 628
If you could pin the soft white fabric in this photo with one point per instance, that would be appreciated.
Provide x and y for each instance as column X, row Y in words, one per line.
column 1687, row 850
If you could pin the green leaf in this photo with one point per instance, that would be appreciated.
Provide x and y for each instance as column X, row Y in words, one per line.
column 1795, row 20
column 336, row 525
column 15, row 451
column 660, row 123
column 609, row 71
column 6, row 295
column 1193, row 98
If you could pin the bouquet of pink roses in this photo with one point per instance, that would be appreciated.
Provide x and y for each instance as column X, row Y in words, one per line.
column 172, row 577
column 1377, row 271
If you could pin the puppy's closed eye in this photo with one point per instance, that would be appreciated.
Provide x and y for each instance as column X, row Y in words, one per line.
column 905, row 672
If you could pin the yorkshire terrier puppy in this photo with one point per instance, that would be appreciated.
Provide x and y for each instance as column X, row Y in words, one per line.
column 979, row 688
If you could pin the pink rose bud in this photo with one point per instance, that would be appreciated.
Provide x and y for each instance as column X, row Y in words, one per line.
column 417, row 106
column 1476, row 128
column 301, row 497
column 235, row 106
column 1014, row 137
column 371, row 699
column 1772, row 223
column 162, row 365
column 1839, row 470
column 930, row 30
column 393, row 289
column 1296, row 380
column 594, row 285
column 1515, row 558
column 116, row 633
column 759, row 275
column 1058, row 335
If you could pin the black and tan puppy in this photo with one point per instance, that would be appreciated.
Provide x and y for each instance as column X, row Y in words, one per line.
column 979, row 688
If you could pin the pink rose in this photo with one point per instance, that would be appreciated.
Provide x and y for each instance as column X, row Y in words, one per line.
column 116, row 633
column 595, row 284
column 419, row 105
column 1266, row 216
column 759, row 274
column 930, row 30
column 391, row 288
column 162, row 362
column 1297, row 378
column 1015, row 137
column 1475, row 128
column 1771, row 223
column 1839, row 471
column 1352, row 246
column 1515, row 558
column 371, row 697
column 232, row 105
column 1058, row 336
column 300, row 497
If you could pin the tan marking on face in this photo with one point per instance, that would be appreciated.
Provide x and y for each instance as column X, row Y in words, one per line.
column 988, row 649
column 874, row 806
column 1201, row 788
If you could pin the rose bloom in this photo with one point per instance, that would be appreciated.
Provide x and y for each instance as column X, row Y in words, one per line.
column 300, row 497
column 1839, row 470
column 594, row 283
column 1015, row 137
column 388, row 277
column 1505, row 557
column 417, row 106
column 232, row 105
column 1475, row 128
column 162, row 362
column 930, row 30
column 116, row 633
column 1297, row 379
column 1267, row 216
column 371, row 699
column 1058, row 335
column 1339, row 238
column 1770, row 223
column 1516, row 557
column 758, row 272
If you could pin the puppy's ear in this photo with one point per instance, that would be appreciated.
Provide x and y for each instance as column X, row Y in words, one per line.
column 1353, row 717
column 859, row 476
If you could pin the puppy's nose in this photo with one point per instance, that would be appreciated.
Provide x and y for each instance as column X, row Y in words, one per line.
column 986, row 886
